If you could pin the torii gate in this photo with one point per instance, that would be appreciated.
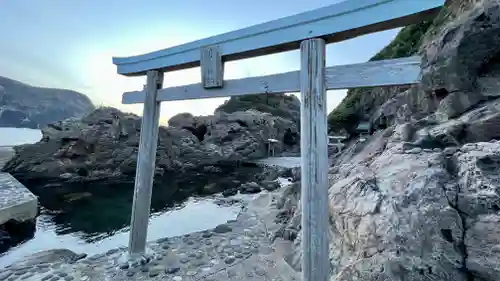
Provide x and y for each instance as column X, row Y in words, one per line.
column 308, row 31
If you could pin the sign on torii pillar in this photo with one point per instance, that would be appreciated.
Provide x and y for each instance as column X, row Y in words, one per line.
column 310, row 32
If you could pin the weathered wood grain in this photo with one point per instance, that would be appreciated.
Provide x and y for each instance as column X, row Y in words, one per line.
column 145, row 166
column 391, row 72
column 334, row 23
column 212, row 68
column 314, row 164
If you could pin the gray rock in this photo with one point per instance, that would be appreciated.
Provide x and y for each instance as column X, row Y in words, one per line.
column 270, row 185
column 124, row 265
column 229, row 259
column 172, row 270
column 155, row 270
column 250, row 187
column 5, row 275
column 103, row 146
column 222, row 228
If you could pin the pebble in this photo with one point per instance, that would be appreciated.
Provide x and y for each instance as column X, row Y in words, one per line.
column 165, row 246
column 112, row 251
column 155, row 271
column 415, row 150
column 80, row 256
column 21, row 271
column 62, row 274
column 206, row 234
column 260, row 271
column 208, row 242
column 28, row 275
column 172, row 270
column 184, row 260
column 235, row 242
column 177, row 278
column 229, row 260
column 69, row 278
column 189, row 242
column 130, row 273
column 47, row 277
column 144, row 269
column 222, row 228
column 55, row 278
column 124, row 265
column 231, row 273
column 198, row 263
column 191, row 273
column 5, row 275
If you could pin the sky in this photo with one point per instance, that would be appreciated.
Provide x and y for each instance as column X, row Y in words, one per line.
column 70, row 44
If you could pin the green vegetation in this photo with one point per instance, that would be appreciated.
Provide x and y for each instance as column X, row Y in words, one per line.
column 286, row 106
column 358, row 102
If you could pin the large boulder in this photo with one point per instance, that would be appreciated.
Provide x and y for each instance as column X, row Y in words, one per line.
column 401, row 212
column 25, row 106
column 420, row 199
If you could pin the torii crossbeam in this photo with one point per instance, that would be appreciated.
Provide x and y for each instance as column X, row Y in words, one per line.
column 310, row 32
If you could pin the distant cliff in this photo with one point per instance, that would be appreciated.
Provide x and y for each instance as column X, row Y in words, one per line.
column 25, row 106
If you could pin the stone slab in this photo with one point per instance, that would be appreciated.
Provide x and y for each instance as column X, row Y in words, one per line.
column 285, row 162
column 16, row 201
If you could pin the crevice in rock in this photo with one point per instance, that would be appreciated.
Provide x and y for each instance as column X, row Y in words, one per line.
column 441, row 93
column 198, row 131
column 452, row 170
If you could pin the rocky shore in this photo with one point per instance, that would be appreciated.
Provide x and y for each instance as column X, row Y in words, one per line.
column 238, row 250
column 103, row 146
column 419, row 200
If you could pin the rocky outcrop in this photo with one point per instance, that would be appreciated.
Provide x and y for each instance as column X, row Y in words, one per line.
column 103, row 145
column 400, row 211
column 459, row 67
column 25, row 106
column 420, row 200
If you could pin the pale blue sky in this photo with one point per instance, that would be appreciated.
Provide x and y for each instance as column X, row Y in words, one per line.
column 69, row 44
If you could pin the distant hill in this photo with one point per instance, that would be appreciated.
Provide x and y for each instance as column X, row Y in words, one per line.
column 25, row 106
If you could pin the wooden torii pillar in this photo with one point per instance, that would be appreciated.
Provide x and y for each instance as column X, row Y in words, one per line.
column 310, row 32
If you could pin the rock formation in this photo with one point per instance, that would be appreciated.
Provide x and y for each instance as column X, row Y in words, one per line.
column 25, row 106
column 103, row 145
column 421, row 199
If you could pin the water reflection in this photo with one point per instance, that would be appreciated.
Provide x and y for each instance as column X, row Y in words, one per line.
column 95, row 218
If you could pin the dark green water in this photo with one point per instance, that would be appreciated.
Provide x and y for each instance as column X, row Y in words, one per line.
column 93, row 218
